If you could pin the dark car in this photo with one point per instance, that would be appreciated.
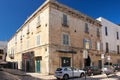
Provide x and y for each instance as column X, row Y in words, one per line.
column 116, row 67
column 92, row 70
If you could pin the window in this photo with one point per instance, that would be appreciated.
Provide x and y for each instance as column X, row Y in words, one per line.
column 28, row 29
column 1, row 51
column 98, row 32
column 15, row 39
column 86, row 28
column 117, row 35
column 65, row 39
column 38, row 19
column 98, row 46
column 38, row 39
column 21, row 36
column 27, row 44
column 65, row 21
column 107, row 48
column 0, row 57
column 106, row 31
column 118, row 49
column 38, row 22
column 87, row 44
column 20, row 47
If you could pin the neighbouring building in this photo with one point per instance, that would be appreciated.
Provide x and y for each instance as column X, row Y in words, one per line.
column 3, row 52
column 55, row 36
column 110, row 41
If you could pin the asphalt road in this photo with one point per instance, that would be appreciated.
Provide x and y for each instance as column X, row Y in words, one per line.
column 7, row 76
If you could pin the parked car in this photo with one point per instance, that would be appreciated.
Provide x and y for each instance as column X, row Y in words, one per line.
column 92, row 70
column 68, row 72
column 116, row 67
column 1, row 68
column 108, row 69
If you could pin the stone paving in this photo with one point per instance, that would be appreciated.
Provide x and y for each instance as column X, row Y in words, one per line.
column 37, row 76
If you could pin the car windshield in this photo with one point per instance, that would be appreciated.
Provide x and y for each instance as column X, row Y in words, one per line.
column 59, row 69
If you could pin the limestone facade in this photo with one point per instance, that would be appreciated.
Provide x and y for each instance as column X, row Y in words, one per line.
column 111, row 36
column 55, row 36
column 3, row 51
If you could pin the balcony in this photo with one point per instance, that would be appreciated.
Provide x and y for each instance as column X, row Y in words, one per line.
column 38, row 25
column 38, row 28
column 28, row 32
column 11, row 56
column 66, row 49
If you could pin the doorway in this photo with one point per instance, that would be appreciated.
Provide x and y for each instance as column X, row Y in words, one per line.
column 38, row 65
column 87, row 61
column 65, row 62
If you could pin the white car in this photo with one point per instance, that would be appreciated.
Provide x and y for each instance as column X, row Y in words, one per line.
column 68, row 72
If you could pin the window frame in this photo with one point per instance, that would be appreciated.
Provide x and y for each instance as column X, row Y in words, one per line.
column 106, row 31
column 117, row 34
column 68, row 39
column 107, row 47
column 86, row 28
column 118, row 49
column 98, row 32
column 38, row 37
column 65, row 20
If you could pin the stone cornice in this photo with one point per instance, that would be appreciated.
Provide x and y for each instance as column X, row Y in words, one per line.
column 74, row 13
column 63, row 8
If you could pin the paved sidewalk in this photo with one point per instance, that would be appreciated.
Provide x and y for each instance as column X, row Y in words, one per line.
column 42, row 76
column 36, row 75
column 39, row 76
column 15, row 72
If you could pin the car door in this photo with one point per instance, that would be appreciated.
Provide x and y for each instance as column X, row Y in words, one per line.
column 76, row 73
column 69, row 72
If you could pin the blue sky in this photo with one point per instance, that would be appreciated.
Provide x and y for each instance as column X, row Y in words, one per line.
column 13, row 13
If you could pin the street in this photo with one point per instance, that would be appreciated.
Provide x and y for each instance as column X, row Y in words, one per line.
column 100, row 77
column 8, row 76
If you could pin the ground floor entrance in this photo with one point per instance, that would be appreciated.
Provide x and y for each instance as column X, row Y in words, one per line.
column 28, row 62
column 65, row 61
column 38, row 64
column 87, row 61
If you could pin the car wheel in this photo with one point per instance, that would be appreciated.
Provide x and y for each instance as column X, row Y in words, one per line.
column 82, row 74
column 58, row 78
column 65, row 77
column 107, row 73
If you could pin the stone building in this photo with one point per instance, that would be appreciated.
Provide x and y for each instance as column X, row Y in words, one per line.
column 3, row 52
column 54, row 36
column 110, row 40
